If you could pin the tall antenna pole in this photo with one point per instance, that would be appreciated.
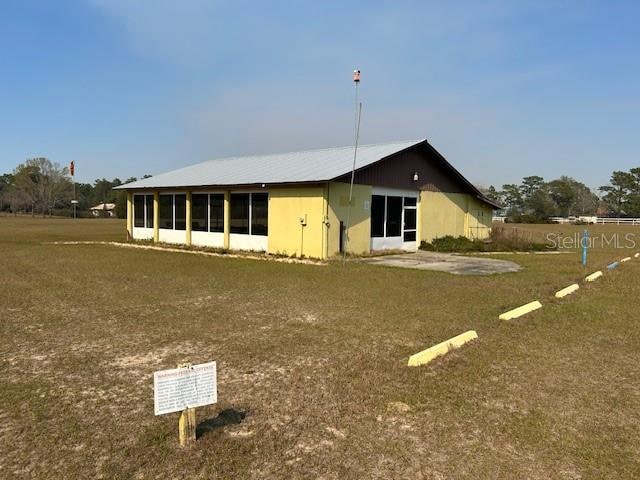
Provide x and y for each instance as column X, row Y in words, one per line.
column 72, row 170
column 358, row 110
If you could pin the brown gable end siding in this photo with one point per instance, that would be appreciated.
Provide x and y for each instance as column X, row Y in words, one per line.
column 396, row 171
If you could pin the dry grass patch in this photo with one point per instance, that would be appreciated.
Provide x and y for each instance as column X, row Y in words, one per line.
column 311, row 363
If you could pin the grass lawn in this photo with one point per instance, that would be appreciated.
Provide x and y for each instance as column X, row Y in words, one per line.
column 312, row 375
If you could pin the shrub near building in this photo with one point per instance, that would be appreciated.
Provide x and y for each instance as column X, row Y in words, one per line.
column 501, row 240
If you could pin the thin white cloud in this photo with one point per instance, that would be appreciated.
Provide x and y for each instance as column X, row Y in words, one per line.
column 277, row 74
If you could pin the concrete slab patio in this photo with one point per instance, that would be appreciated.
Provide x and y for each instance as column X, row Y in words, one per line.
column 445, row 262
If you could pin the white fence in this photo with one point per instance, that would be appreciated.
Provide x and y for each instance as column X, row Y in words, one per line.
column 590, row 220
column 584, row 219
column 619, row 221
column 597, row 220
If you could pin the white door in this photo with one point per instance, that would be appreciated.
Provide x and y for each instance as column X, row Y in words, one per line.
column 409, row 223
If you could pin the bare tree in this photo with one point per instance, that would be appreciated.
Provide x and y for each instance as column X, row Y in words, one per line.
column 42, row 184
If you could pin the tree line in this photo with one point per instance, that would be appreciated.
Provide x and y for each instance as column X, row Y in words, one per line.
column 535, row 199
column 42, row 187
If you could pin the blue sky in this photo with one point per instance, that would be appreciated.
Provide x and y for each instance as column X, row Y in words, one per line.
column 502, row 89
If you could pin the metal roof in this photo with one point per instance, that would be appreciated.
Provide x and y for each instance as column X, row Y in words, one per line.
column 294, row 167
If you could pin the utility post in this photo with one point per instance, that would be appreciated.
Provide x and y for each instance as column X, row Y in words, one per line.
column 585, row 243
column 72, row 171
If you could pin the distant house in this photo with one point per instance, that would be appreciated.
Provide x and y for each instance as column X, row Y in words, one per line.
column 104, row 210
column 298, row 203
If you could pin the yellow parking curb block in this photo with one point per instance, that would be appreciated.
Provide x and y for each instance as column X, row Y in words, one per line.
column 567, row 290
column 625, row 259
column 518, row 312
column 593, row 276
column 430, row 353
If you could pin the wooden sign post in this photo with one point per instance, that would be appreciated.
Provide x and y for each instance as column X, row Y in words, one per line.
column 183, row 389
column 187, row 426
column 187, row 422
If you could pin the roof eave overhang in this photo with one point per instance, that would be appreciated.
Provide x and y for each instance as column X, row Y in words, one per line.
column 223, row 186
column 488, row 201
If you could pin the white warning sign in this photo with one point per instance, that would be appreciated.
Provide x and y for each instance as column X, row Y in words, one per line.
column 180, row 388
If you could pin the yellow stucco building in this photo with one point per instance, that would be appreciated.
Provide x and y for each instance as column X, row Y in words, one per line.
column 297, row 204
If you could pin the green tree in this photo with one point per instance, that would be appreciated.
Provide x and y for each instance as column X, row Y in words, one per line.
column 512, row 197
column 633, row 199
column 619, row 194
column 6, row 181
column 572, row 198
column 121, row 201
column 530, row 185
column 84, row 192
column 541, row 205
column 563, row 195
column 103, row 191
column 23, row 191
column 491, row 193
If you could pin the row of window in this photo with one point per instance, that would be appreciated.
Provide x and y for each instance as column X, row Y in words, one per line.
column 391, row 216
column 248, row 212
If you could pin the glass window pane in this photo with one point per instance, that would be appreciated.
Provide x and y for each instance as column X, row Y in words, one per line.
column 377, row 215
column 199, row 212
column 410, row 236
column 166, row 211
column 239, row 211
column 410, row 201
column 409, row 218
column 394, row 216
column 148, row 199
column 181, row 212
column 259, row 213
column 216, row 212
column 138, row 210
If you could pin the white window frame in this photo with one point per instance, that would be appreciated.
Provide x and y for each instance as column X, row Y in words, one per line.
column 208, row 194
column 144, row 208
column 249, row 241
column 385, row 242
column 409, row 207
column 173, row 209
column 207, row 238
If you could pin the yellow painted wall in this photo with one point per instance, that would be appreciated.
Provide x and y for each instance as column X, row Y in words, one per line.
column 456, row 214
column 360, row 229
column 156, row 217
column 479, row 219
column 287, row 235
column 226, row 213
column 129, row 215
column 188, row 219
